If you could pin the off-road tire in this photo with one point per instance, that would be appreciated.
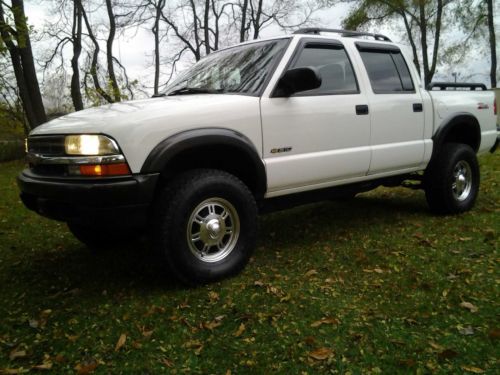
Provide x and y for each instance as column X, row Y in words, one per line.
column 173, row 222
column 440, row 180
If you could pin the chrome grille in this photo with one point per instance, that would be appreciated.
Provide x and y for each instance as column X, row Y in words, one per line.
column 47, row 145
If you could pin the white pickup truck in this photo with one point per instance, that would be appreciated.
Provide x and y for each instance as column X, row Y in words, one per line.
column 331, row 112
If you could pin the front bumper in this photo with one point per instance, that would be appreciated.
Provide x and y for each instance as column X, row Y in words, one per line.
column 117, row 201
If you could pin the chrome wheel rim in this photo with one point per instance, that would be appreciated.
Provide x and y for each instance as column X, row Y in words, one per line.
column 462, row 181
column 213, row 230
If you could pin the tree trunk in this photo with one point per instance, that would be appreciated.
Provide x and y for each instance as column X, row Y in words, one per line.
column 493, row 48
column 206, row 27
column 94, row 65
column 257, row 25
column 23, row 63
column 243, row 27
column 423, row 42
column 109, row 52
column 76, row 94
column 412, row 42
column 156, row 33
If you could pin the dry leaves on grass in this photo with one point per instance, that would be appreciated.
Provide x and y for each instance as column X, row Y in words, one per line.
column 474, row 370
column 325, row 320
column 240, row 330
column 15, row 354
column 121, row 342
column 469, row 306
column 321, row 354
column 85, row 368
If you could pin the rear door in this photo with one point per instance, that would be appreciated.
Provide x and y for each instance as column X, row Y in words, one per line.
column 314, row 138
column 396, row 109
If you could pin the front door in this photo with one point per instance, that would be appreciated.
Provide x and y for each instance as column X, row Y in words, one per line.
column 314, row 138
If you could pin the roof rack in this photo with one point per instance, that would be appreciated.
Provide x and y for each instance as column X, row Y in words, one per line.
column 344, row 33
column 445, row 85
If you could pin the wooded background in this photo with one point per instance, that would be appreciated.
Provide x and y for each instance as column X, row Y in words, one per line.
column 78, row 41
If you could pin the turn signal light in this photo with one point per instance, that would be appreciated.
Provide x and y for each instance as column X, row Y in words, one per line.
column 104, row 169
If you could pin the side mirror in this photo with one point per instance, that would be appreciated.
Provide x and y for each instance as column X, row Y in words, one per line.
column 298, row 80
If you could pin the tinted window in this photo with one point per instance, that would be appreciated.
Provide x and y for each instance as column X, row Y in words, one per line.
column 387, row 71
column 404, row 73
column 334, row 66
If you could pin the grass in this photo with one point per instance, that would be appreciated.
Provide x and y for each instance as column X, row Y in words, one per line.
column 374, row 285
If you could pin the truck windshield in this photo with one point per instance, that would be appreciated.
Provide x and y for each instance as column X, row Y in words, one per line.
column 241, row 69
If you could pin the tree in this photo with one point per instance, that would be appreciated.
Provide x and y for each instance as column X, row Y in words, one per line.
column 15, row 37
column 422, row 19
column 475, row 18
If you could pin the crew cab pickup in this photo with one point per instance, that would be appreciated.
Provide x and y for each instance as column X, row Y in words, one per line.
column 327, row 112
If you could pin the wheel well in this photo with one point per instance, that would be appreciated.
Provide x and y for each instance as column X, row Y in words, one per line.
column 464, row 129
column 223, row 157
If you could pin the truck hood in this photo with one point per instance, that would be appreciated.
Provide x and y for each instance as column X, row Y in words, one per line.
column 109, row 119
column 139, row 126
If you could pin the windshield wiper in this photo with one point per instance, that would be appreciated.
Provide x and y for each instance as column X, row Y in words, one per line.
column 194, row 90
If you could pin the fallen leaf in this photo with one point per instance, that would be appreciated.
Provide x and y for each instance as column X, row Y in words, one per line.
column 407, row 362
column 211, row 325
column 321, row 354
column 196, row 345
column 436, row 346
column 311, row 273
column 494, row 334
column 447, row 354
column 121, row 341
column 258, row 283
column 240, row 330
column 325, row 321
column 166, row 362
column 213, row 296
column 310, row 340
column 475, row 370
column 44, row 366
column 467, row 331
column 17, row 354
column 378, row 270
column 87, row 368
column 469, row 306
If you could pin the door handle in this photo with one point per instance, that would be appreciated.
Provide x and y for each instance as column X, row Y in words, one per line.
column 362, row 109
column 418, row 107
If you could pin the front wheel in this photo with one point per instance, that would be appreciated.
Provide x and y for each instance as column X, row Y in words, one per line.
column 205, row 225
column 452, row 181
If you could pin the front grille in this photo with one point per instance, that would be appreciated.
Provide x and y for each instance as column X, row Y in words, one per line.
column 47, row 145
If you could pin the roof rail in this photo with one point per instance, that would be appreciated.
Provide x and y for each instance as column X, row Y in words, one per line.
column 344, row 33
column 445, row 85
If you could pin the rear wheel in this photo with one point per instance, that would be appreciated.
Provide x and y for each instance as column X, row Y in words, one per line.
column 452, row 181
column 205, row 225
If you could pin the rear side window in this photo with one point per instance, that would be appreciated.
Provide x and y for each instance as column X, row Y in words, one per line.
column 334, row 66
column 388, row 72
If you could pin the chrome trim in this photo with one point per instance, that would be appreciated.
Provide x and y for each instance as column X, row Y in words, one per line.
column 37, row 159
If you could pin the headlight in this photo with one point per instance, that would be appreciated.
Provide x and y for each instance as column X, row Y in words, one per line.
column 86, row 145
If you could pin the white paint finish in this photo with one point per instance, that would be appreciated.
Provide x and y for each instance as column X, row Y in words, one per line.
column 313, row 125
column 449, row 103
column 139, row 126
column 327, row 184
column 307, row 170
column 331, row 145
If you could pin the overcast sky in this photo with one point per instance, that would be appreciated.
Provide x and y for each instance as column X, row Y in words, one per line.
column 134, row 49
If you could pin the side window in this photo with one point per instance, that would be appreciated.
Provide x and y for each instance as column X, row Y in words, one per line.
column 334, row 66
column 388, row 72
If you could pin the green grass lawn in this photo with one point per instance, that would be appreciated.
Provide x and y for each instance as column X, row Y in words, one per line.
column 373, row 285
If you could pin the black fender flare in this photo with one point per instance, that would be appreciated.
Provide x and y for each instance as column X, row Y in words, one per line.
column 449, row 124
column 174, row 145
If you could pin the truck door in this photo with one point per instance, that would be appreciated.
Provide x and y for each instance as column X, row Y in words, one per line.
column 317, row 137
column 396, row 109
